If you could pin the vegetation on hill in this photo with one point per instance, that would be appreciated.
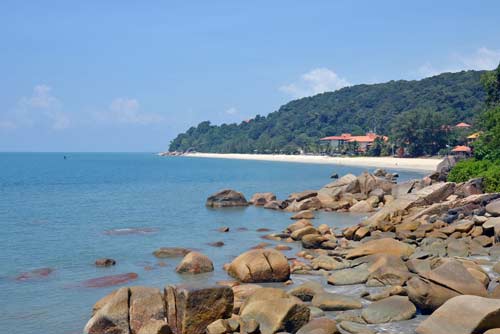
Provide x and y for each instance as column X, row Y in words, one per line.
column 486, row 162
column 298, row 125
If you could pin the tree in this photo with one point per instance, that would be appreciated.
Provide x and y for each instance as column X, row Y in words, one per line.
column 488, row 145
column 420, row 131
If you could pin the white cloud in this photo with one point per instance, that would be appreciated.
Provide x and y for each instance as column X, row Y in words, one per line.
column 481, row 59
column 232, row 111
column 127, row 111
column 41, row 108
column 318, row 80
column 41, row 98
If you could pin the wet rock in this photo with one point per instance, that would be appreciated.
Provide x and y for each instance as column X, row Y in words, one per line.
column 219, row 326
column 381, row 246
column 306, row 291
column 113, row 316
column 167, row 252
column 223, row 229
column 276, row 205
column 305, row 214
column 260, row 265
column 145, row 305
column 319, row 326
column 312, row 203
column 457, row 248
column 101, row 282
column 312, row 241
column 195, row 263
column 298, row 225
column 226, row 198
column 261, row 199
column 275, row 311
column 335, row 302
column 394, row 308
column 463, row 315
column 105, row 262
column 191, row 308
column 303, row 195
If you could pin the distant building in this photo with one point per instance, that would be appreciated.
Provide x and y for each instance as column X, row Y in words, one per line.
column 463, row 151
column 364, row 142
column 462, row 125
column 472, row 138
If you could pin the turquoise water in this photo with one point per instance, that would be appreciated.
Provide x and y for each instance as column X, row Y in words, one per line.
column 64, row 214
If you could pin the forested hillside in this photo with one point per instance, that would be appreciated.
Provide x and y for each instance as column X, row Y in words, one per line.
column 300, row 123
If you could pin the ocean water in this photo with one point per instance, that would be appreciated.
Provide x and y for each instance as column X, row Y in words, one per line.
column 63, row 214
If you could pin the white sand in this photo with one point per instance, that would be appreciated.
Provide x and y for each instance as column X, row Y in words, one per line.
column 416, row 164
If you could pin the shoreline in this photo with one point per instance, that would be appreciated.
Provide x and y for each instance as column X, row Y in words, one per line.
column 415, row 164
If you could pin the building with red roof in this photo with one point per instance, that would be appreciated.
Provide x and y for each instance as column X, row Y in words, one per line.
column 364, row 142
column 463, row 125
column 461, row 150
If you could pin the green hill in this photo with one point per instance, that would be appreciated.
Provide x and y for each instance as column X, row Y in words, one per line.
column 357, row 109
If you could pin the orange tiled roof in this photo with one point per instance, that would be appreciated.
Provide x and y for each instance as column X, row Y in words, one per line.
column 462, row 125
column 462, row 148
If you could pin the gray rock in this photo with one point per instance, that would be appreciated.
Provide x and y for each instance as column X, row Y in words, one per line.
column 335, row 302
column 394, row 308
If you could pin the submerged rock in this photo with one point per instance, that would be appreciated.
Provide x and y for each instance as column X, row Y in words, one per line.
column 101, row 282
column 105, row 262
column 394, row 308
column 166, row 252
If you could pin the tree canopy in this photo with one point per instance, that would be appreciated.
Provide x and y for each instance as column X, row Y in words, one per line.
column 299, row 124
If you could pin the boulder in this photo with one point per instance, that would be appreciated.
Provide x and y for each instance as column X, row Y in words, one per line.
column 403, row 188
column 155, row 327
column 261, row 199
column 361, row 207
column 146, row 305
column 195, row 263
column 367, row 182
column 241, row 294
column 381, row 246
column 312, row 203
column 113, row 316
column 275, row 311
column 335, row 302
column 306, row 291
column 432, row 289
column 303, row 195
column 327, row 263
column 298, row 225
column 355, row 328
column 219, row 326
column 305, row 214
column 300, row 233
column 260, row 265
column 191, row 308
column 493, row 208
column 276, row 205
column 319, row 326
column 226, row 198
column 313, row 240
column 463, row 315
column 350, row 276
column 434, row 193
column 394, row 308
column 471, row 187
column 391, row 209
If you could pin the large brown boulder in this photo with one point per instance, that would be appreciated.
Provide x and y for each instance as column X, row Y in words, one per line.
column 261, row 199
column 226, row 198
column 195, row 263
column 493, row 208
column 434, row 193
column 367, row 182
column 260, row 265
column 361, row 207
column 450, row 279
column 113, row 316
column 191, row 308
column 463, row 315
column 146, row 304
column 381, row 246
column 328, row 301
column 275, row 311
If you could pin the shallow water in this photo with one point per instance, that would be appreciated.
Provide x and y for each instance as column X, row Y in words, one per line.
column 64, row 214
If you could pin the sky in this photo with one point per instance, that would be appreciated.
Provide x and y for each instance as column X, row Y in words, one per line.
column 128, row 76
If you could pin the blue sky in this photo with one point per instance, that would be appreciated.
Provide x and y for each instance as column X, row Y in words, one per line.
column 129, row 75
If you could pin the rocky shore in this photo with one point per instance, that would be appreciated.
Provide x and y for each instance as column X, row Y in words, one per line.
column 428, row 250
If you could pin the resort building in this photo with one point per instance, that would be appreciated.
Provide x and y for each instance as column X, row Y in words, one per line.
column 461, row 151
column 462, row 125
column 364, row 142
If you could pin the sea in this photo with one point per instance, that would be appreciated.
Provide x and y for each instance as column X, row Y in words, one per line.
column 59, row 212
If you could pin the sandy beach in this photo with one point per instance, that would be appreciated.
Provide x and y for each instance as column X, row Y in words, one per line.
column 416, row 164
